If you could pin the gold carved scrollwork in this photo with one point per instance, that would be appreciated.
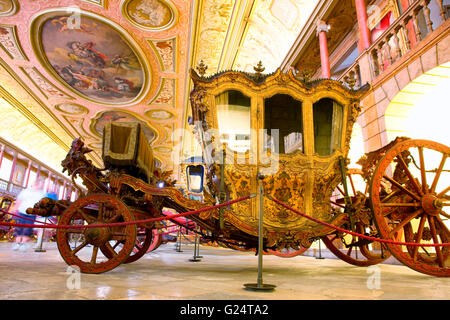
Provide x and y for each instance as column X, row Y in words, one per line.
column 302, row 180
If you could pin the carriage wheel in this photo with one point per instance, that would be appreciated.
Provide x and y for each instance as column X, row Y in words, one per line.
column 368, row 253
column 156, row 241
column 96, row 209
column 144, row 239
column 365, row 257
column 410, row 199
column 287, row 253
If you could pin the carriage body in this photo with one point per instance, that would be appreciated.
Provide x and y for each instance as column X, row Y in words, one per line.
column 235, row 115
column 301, row 163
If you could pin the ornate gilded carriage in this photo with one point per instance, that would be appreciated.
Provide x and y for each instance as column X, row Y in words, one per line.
column 235, row 117
column 263, row 138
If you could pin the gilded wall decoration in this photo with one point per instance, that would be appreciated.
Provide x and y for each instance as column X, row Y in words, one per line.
column 77, row 125
column 166, row 95
column 90, row 55
column 102, row 118
column 101, row 3
column 271, row 35
column 214, row 20
column 163, row 149
column 8, row 7
column 10, row 43
column 44, row 86
column 285, row 11
column 150, row 14
column 96, row 145
column 166, row 52
column 71, row 108
column 159, row 114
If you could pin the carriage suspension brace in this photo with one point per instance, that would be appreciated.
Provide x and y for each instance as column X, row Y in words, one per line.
column 348, row 200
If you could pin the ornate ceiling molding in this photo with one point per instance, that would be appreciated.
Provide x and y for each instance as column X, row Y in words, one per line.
column 8, row 8
column 152, row 15
column 166, row 51
column 10, row 43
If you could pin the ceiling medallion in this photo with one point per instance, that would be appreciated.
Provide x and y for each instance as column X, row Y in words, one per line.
column 71, row 108
column 8, row 7
column 90, row 55
column 159, row 114
column 155, row 15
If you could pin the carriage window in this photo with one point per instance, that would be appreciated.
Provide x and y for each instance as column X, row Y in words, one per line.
column 284, row 113
column 328, row 118
column 195, row 178
column 233, row 114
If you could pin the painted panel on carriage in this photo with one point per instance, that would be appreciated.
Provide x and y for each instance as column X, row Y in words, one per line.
column 92, row 57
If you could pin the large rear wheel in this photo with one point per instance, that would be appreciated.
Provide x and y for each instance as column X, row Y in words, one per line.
column 410, row 197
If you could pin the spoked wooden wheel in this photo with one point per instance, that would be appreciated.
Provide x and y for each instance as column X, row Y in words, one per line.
column 143, row 242
column 353, row 249
column 156, row 240
column 410, row 200
column 96, row 209
column 287, row 253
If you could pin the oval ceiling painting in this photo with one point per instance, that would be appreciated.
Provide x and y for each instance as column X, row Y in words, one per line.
column 150, row 14
column 90, row 55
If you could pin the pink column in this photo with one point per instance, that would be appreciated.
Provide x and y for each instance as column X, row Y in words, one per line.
column 364, row 32
column 1, row 154
column 322, row 30
column 64, row 191
column 49, row 180
column 27, row 179
column 13, row 168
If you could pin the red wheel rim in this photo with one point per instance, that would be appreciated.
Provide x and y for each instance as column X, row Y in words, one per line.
column 96, row 209
column 403, row 192
column 358, row 193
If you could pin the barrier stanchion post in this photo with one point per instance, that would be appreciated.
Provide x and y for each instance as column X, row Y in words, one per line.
column 260, row 286
column 194, row 257
column 197, row 254
column 320, row 251
column 41, row 239
column 178, row 244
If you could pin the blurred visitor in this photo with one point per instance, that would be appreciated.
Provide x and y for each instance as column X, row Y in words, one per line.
column 25, row 199
column 41, row 231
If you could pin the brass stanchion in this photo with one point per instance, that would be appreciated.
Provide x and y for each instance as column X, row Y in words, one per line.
column 260, row 286
column 178, row 243
column 195, row 258
column 320, row 251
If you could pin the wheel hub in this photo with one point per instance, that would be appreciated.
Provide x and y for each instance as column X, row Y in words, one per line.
column 97, row 236
column 431, row 204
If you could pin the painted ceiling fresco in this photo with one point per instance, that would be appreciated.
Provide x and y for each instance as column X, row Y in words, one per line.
column 68, row 67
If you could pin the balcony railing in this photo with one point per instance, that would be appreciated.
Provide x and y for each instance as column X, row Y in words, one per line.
column 394, row 43
column 10, row 188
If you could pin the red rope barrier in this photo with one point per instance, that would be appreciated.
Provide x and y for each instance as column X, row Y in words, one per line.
column 20, row 217
column 355, row 233
column 120, row 224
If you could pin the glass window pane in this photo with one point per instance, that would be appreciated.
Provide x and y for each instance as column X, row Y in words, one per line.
column 328, row 122
column 195, row 178
column 284, row 113
column 233, row 114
